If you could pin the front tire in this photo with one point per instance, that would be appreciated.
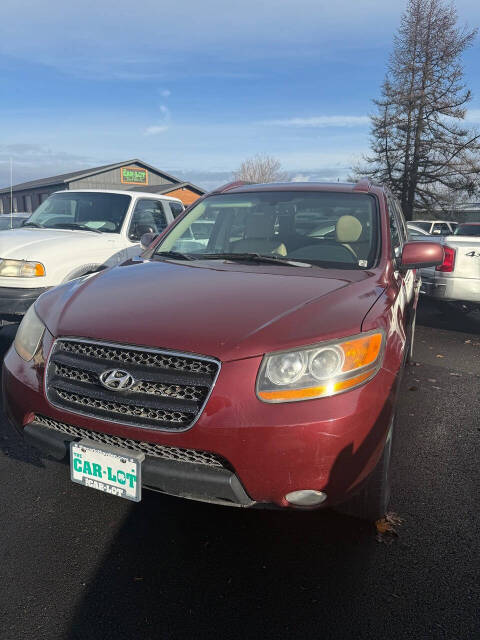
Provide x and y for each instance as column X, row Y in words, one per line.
column 371, row 503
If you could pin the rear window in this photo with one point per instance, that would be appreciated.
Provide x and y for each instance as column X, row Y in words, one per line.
column 467, row 230
column 337, row 230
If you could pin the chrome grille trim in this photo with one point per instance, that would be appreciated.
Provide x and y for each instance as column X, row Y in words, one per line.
column 123, row 407
column 170, row 393
column 188, row 392
column 177, row 454
column 137, row 355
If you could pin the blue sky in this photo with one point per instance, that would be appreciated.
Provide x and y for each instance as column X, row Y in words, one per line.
column 194, row 88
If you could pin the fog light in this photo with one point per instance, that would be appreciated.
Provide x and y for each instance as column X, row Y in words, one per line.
column 306, row 497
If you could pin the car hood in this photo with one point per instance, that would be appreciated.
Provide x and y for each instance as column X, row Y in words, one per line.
column 228, row 311
column 38, row 244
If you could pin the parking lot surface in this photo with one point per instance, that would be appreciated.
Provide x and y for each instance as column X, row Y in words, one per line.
column 75, row 563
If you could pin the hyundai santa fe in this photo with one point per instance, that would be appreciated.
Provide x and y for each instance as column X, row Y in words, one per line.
column 256, row 366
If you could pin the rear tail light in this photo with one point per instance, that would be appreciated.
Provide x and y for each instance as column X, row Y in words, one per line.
column 448, row 263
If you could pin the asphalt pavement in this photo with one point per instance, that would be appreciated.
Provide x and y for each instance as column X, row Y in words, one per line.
column 78, row 564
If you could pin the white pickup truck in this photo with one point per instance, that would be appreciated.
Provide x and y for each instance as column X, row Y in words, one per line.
column 74, row 233
column 457, row 280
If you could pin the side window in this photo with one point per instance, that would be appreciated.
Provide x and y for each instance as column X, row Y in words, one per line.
column 176, row 208
column 401, row 219
column 148, row 217
column 394, row 228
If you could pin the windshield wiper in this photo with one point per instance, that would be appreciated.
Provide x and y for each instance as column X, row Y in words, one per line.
column 253, row 257
column 175, row 255
column 33, row 224
column 74, row 225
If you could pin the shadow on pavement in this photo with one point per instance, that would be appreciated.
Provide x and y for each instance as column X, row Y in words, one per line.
column 441, row 316
column 180, row 569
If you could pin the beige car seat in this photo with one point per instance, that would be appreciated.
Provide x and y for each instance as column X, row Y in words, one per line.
column 259, row 237
column 348, row 230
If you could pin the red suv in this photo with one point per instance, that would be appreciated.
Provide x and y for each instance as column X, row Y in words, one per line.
column 254, row 362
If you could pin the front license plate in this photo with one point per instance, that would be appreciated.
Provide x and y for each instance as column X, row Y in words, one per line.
column 109, row 469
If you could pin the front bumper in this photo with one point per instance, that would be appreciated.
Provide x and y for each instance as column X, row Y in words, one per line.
column 14, row 302
column 183, row 479
column 329, row 445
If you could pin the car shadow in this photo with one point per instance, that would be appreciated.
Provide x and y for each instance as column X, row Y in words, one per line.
column 180, row 569
column 441, row 316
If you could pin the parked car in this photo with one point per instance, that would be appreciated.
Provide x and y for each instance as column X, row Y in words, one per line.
column 71, row 234
column 468, row 229
column 13, row 220
column 261, row 368
column 436, row 227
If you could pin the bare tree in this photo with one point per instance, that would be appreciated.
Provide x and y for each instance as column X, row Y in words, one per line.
column 260, row 169
column 420, row 146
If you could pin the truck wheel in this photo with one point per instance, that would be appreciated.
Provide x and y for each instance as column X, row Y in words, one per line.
column 371, row 503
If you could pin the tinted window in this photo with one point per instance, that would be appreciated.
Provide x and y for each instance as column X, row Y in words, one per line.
column 468, row 230
column 148, row 217
column 423, row 225
column 326, row 228
column 401, row 220
column 441, row 228
column 394, row 228
column 176, row 208
column 103, row 212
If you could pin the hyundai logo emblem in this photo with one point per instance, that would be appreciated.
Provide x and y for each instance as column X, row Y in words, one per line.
column 117, row 380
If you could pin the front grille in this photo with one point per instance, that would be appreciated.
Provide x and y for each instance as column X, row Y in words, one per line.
column 149, row 449
column 169, row 390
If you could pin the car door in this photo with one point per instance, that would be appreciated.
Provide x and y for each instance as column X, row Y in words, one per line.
column 149, row 216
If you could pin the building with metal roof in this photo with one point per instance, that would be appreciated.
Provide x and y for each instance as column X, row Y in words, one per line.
column 129, row 175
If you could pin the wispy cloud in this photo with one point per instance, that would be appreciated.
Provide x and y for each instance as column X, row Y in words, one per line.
column 320, row 121
column 155, row 130
column 161, row 126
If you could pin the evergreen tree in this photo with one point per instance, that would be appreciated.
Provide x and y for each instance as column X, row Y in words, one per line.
column 420, row 144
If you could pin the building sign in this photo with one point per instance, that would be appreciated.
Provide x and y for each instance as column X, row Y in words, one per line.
column 132, row 175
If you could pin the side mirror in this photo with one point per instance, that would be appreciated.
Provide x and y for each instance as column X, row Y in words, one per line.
column 418, row 255
column 147, row 239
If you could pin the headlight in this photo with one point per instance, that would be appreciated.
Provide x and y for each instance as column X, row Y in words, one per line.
column 29, row 335
column 21, row 269
column 320, row 370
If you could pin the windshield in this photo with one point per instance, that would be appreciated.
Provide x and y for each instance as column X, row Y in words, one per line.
column 467, row 230
column 337, row 230
column 89, row 211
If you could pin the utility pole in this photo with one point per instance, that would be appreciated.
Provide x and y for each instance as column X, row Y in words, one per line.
column 11, row 193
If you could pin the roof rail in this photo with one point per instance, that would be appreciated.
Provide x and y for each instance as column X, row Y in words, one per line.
column 364, row 184
column 231, row 185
